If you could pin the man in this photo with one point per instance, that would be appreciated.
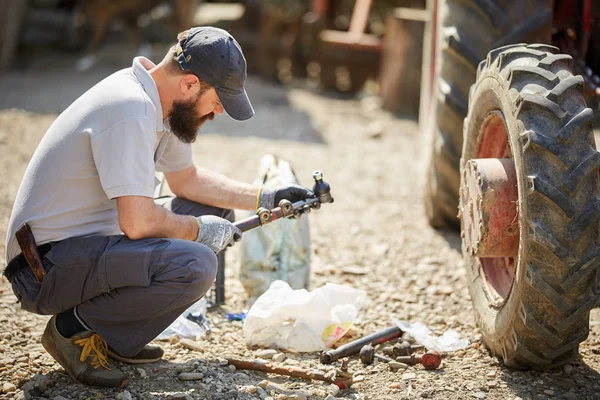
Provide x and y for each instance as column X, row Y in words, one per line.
column 120, row 266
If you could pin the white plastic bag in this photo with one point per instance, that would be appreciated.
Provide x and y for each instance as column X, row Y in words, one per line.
column 280, row 250
column 184, row 325
column 302, row 321
column 449, row 341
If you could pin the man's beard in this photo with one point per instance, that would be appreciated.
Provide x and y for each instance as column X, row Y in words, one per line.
column 184, row 120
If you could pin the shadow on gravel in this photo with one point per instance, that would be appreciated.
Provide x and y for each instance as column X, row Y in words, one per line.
column 160, row 380
column 452, row 237
column 572, row 381
column 47, row 82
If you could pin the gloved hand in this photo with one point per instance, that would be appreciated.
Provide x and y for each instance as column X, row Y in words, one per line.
column 217, row 233
column 270, row 197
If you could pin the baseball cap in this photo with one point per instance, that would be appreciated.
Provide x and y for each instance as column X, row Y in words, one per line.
column 216, row 57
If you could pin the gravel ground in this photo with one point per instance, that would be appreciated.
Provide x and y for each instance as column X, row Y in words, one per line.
column 374, row 237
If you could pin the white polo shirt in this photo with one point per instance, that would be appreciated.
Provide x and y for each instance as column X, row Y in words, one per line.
column 107, row 144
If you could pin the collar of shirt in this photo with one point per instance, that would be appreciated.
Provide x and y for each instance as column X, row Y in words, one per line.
column 140, row 68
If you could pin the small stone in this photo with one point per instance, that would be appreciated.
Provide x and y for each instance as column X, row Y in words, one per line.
column 100, row 395
column 296, row 396
column 59, row 397
column 279, row 357
column 355, row 270
column 568, row 369
column 549, row 392
column 190, row 376
column 184, row 368
column 191, row 345
column 263, row 384
column 330, row 397
column 28, row 386
column 570, row 396
column 407, row 376
column 291, row 361
column 124, row 395
column 491, row 374
column 240, row 375
column 261, row 393
column 395, row 385
column 8, row 388
column 174, row 339
column 141, row 372
column 395, row 365
column 180, row 396
column 479, row 395
column 333, row 390
column 266, row 354
column 232, row 368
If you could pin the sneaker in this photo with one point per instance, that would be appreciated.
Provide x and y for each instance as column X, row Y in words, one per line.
column 84, row 357
column 149, row 354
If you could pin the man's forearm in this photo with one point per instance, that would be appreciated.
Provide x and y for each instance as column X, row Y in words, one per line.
column 140, row 218
column 214, row 189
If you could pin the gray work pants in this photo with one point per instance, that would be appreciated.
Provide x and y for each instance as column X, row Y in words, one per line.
column 127, row 291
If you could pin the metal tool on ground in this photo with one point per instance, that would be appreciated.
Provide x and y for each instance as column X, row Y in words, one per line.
column 341, row 379
column 327, row 357
column 287, row 209
column 429, row 360
column 367, row 355
column 405, row 349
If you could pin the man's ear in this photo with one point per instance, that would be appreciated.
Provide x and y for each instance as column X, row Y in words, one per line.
column 189, row 85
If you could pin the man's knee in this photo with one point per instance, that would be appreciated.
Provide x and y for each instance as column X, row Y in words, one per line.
column 203, row 267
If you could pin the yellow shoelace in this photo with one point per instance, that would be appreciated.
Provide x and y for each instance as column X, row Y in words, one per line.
column 96, row 348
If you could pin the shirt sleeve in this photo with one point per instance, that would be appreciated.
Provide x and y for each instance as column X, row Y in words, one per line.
column 176, row 157
column 124, row 158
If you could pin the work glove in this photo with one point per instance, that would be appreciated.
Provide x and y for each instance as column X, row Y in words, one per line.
column 217, row 233
column 269, row 197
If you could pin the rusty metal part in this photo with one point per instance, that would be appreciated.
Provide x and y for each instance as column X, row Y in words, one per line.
column 429, row 360
column 264, row 215
column 330, row 356
column 489, row 208
column 367, row 355
column 342, row 381
column 405, row 349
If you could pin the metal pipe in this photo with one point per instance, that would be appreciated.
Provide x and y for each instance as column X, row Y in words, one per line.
column 327, row 357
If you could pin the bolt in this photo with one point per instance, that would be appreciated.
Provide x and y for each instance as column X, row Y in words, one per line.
column 405, row 349
column 367, row 355
column 429, row 360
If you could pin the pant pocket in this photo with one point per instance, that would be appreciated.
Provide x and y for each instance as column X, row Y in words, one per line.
column 75, row 276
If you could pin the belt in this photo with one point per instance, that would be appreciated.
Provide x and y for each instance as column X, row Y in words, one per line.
column 18, row 263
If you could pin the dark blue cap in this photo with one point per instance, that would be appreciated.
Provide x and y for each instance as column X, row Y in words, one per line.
column 216, row 57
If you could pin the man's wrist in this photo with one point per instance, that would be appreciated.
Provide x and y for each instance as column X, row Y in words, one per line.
column 197, row 229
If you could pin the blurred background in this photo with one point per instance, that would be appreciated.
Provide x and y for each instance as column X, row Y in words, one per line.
column 335, row 46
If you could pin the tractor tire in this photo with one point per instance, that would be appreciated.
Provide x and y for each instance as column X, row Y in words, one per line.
column 541, row 113
column 466, row 30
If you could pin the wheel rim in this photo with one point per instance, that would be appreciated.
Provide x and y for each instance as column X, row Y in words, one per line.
column 489, row 199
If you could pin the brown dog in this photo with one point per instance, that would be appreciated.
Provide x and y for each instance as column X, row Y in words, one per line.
column 101, row 13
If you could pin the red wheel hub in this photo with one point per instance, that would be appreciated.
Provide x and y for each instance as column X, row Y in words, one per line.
column 490, row 195
column 489, row 207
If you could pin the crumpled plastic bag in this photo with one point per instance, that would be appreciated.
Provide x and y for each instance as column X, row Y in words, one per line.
column 449, row 341
column 280, row 250
column 184, row 325
column 302, row 321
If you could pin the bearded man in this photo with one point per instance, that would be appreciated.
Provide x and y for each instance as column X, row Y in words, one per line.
column 118, row 265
